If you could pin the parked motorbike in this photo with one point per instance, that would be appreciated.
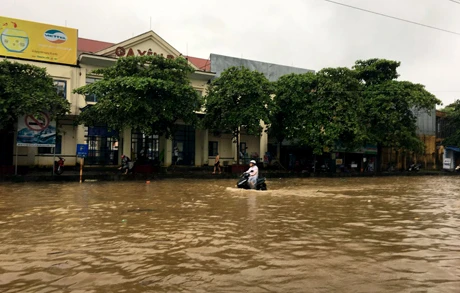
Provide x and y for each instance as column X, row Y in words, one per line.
column 244, row 184
column 414, row 167
column 324, row 168
column 59, row 166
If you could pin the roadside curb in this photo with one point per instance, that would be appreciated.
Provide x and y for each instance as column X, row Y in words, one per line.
column 203, row 175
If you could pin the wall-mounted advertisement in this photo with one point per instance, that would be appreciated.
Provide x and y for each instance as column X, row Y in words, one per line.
column 37, row 41
column 36, row 131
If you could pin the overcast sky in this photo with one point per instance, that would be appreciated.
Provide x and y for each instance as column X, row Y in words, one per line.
column 310, row 34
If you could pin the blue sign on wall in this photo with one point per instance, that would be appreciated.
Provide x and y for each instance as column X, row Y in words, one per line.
column 82, row 150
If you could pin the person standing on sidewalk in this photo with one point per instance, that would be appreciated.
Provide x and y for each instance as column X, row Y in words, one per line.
column 217, row 164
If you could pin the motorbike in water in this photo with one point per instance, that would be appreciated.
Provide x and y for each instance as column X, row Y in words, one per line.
column 59, row 166
column 244, row 182
column 414, row 167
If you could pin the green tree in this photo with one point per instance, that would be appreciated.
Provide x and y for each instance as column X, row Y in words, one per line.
column 27, row 89
column 238, row 99
column 292, row 109
column 450, row 129
column 390, row 106
column 319, row 110
column 338, row 109
column 147, row 93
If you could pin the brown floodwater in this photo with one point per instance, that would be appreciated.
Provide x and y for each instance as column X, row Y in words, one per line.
column 399, row 234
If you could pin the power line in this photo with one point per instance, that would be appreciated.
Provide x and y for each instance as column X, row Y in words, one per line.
column 454, row 1
column 397, row 18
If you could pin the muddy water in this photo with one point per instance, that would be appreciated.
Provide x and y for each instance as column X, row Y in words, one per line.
column 303, row 235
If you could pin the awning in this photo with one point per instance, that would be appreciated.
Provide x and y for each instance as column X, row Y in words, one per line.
column 86, row 107
column 455, row 149
column 96, row 60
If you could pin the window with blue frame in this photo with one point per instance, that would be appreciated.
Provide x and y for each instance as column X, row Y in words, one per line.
column 61, row 88
column 91, row 98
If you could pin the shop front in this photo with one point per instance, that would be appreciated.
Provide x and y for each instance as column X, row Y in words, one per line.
column 451, row 158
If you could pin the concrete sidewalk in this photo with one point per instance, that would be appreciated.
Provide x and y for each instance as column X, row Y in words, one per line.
column 72, row 174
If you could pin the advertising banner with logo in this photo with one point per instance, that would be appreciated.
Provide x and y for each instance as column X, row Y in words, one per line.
column 37, row 41
column 36, row 131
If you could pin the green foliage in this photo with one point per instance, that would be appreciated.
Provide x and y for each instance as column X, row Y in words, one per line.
column 390, row 104
column 449, row 108
column 27, row 89
column 451, row 127
column 338, row 109
column 148, row 93
column 291, row 116
column 375, row 71
column 238, row 98
column 319, row 110
column 351, row 107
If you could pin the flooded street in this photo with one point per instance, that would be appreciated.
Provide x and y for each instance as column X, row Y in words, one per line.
column 397, row 234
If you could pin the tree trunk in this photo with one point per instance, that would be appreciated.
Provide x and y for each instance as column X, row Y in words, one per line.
column 237, row 132
column 278, row 152
column 378, row 163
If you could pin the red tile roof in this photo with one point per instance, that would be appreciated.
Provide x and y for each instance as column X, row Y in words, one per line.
column 93, row 46
column 202, row 64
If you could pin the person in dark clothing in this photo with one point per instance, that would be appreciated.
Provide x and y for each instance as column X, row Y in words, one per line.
column 124, row 164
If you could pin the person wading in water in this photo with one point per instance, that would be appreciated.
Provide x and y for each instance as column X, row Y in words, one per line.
column 217, row 164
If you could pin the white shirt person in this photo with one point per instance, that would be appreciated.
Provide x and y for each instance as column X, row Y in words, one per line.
column 253, row 172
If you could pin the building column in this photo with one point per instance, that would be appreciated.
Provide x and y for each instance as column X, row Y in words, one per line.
column 126, row 149
column 167, row 149
column 235, row 148
column 206, row 147
column 263, row 147
column 200, row 142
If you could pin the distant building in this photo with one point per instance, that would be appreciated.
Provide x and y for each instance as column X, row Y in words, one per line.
column 271, row 71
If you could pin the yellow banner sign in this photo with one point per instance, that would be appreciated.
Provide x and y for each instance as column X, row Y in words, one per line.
column 37, row 41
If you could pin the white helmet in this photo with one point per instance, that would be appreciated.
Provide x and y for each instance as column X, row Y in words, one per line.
column 253, row 162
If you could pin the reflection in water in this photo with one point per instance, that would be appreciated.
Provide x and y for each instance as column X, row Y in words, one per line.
column 303, row 235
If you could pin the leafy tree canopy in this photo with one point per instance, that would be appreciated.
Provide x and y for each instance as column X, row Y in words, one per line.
column 452, row 125
column 294, row 95
column 239, row 98
column 338, row 109
column 27, row 89
column 375, row 71
column 390, row 105
column 148, row 93
column 319, row 110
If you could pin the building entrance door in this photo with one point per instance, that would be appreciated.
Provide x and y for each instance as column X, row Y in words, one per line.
column 102, row 146
column 184, row 146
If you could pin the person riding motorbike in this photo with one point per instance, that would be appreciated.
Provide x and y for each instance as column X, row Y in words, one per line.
column 253, row 172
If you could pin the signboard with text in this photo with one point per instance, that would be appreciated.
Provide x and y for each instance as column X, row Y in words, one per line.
column 82, row 150
column 37, row 41
column 36, row 131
